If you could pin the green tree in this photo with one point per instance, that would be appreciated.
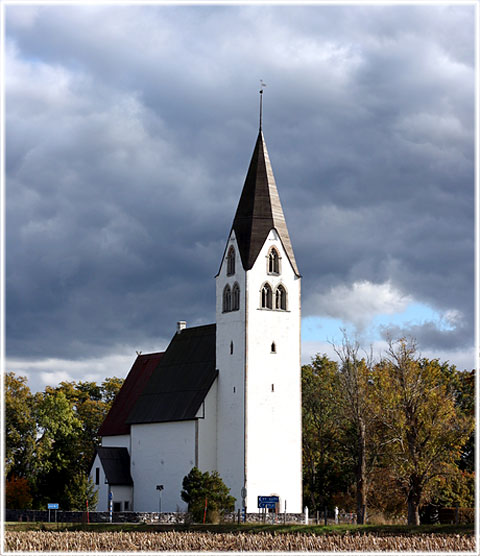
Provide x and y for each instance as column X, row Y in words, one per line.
column 110, row 388
column 423, row 431
column 200, row 488
column 78, row 491
column 20, row 429
column 327, row 462
column 51, row 436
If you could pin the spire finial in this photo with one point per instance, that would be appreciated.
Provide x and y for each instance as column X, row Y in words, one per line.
column 262, row 85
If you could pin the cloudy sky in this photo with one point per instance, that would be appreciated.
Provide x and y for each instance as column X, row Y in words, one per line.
column 129, row 130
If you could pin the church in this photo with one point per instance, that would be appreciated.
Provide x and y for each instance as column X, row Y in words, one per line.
column 223, row 396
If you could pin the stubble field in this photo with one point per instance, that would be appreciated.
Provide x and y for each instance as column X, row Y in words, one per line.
column 201, row 541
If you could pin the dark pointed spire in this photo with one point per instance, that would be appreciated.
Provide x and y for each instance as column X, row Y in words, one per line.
column 259, row 209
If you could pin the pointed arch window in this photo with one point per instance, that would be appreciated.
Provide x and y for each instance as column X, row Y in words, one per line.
column 281, row 298
column 231, row 261
column 235, row 297
column 227, row 299
column 266, row 296
column 273, row 261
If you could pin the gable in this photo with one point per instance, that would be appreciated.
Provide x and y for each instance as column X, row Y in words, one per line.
column 181, row 380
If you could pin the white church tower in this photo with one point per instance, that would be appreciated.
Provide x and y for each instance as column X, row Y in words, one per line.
column 258, row 348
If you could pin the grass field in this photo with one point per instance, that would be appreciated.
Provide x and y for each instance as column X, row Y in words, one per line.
column 104, row 537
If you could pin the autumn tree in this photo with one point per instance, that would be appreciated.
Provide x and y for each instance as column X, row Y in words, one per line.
column 355, row 387
column 18, row 493
column 423, row 431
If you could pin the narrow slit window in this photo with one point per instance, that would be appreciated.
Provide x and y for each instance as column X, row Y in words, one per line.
column 97, row 475
column 273, row 387
column 231, row 348
column 273, row 348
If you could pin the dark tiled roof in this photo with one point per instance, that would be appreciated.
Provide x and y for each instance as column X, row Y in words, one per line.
column 260, row 210
column 181, row 380
column 116, row 464
column 115, row 421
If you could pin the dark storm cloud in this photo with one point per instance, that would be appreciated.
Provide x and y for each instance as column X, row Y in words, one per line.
column 129, row 132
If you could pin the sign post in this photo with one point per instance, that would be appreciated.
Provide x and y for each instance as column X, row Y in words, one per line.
column 52, row 506
column 268, row 502
column 110, row 505
column 243, row 492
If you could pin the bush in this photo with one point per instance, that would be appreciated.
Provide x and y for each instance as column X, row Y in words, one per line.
column 17, row 493
column 448, row 515
column 205, row 488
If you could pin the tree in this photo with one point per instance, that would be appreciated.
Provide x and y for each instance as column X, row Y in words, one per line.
column 355, row 383
column 17, row 493
column 79, row 491
column 20, row 430
column 326, row 460
column 200, row 488
column 422, row 430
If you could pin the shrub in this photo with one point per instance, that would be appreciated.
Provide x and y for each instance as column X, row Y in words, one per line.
column 205, row 488
column 17, row 493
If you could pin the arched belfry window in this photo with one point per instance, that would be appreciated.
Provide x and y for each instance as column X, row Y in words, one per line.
column 266, row 296
column 235, row 297
column 273, row 261
column 231, row 262
column 281, row 298
column 227, row 299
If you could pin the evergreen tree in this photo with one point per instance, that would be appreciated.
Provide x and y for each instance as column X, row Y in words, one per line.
column 205, row 489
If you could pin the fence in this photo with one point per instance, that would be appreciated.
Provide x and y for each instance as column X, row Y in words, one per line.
column 141, row 517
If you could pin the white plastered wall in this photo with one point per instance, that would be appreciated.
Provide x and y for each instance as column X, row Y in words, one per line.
column 206, row 451
column 162, row 454
column 122, row 494
column 102, row 487
column 273, row 412
column 231, row 378
column 117, row 441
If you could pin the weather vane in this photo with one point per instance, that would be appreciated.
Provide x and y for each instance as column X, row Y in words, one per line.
column 262, row 85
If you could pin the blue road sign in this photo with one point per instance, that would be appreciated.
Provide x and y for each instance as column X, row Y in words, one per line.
column 268, row 501
column 53, row 506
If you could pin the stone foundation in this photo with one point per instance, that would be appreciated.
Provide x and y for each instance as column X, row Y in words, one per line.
column 142, row 517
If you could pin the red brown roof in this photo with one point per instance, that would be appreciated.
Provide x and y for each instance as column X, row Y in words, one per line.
column 137, row 378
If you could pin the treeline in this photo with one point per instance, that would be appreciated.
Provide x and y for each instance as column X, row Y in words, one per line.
column 50, row 441
column 393, row 437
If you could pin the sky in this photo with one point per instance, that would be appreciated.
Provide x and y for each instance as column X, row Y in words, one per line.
column 129, row 130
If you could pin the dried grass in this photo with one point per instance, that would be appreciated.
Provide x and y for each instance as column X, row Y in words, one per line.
column 48, row 541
